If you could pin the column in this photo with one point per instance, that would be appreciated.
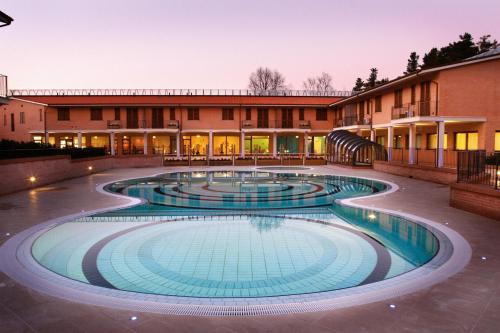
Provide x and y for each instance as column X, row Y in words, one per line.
column 390, row 141
column 373, row 135
column 242, row 145
column 412, row 137
column 119, row 146
column 112, row 143
column 178, row 144
column 145, row 143
column 440, row 144
column 306, row 150
column 79, row 139
column 210, row 144
column 275, row 144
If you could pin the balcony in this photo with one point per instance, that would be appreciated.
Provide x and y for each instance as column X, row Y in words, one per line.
column 419, row 109
column 353, row 121
column 300, row 124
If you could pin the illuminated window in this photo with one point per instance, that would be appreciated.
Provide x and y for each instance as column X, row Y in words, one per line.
column 100, row 141
column 288, row 144
column 432, row 141
column 398, row 141
column 317, row 144
column 497, row 141
column 84, row 141
column 197, row 144
column 226, row 145
column 257, row 144
column 37, row 139
column 466, row 141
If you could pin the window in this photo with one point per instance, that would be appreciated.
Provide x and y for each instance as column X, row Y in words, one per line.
column 12, row 125
column 321, row 114
column 132, row 118
column 378, row 104
column 398, row 141
column 425, row 91
column 398, row 98
column 117, row 113
column 466, row 141
column 37, row 139
column 40, row 114
column 262, row 118
column 380, row 140
column 95, row 114
column 63, row 114
column 248, row 114
column 432, row 141
column 21, row 118
column 497, row 141
column 227, row 114
column 157, row 118
column 301, row 114
column 5, row 120
column 413, row 94
column 193, row 114
column 418, row 141
column 172, row 113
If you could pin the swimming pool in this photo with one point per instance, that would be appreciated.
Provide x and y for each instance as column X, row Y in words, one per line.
column 238, row 242
column 256, row 253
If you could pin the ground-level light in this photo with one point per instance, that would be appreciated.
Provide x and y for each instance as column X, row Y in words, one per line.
column 32, row 179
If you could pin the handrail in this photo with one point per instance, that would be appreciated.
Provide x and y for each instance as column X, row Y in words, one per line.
column 177, row 92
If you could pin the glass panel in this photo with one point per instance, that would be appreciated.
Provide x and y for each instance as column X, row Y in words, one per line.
column 161, row 144
column 84, row 141
column 472, row 141
column 418, row 141
column 98, row 141
column 288, row 144
column 461, row 141
column 223, row 145
column 319, row 145
column 432, row 143
column 497, row 141
column 198, row 145
column 257, row 145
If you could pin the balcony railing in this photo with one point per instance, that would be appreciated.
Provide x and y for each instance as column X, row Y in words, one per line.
column 297, row 124
column 351, row 121
column 176, row 92
column 419, row 109
column 117, row 124
column 425, row 157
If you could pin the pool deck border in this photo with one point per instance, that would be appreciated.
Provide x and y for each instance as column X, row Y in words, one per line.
column 17, row 262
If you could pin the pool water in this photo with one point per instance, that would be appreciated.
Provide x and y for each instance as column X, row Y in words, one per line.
column 252, row 253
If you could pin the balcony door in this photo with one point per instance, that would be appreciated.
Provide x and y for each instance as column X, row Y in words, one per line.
column 425, row 99
column 132, row 118
column 157, row 118
column 263, row 118
column 287, row 118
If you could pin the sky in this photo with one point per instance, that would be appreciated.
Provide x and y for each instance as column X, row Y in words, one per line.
column 217, row 44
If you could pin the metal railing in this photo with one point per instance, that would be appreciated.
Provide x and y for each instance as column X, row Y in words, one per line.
column 424, row 157
column 419, row 109
column 476, row 167
column 3, row 86
column 350, row 121
column 255, row 123
column 176, row 92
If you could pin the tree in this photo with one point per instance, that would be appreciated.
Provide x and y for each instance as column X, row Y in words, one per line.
column 264, row 79
column 321, row 83
column 485, row 44
column 372, row 79
column 358, row 85
column 462, row 49
column 412, row 65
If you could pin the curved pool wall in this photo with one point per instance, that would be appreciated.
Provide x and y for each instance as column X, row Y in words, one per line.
column 450, row 254
column 222, row 191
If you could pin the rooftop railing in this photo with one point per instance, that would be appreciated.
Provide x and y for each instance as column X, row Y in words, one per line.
column 176, row 92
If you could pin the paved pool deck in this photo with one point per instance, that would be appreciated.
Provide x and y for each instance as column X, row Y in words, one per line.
column 466, row 302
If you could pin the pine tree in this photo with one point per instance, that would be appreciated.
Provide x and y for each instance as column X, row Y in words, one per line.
column 372, row 79
column 412, row 65
column 485, row 44
column 358, row 85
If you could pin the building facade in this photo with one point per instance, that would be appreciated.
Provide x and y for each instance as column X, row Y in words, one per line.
column 176, row 124
column 426, row 117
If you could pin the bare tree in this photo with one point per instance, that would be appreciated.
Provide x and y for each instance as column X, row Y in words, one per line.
column 266, row 80
column 319, row 84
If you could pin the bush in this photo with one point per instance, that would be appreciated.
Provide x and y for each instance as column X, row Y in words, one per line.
column 12, row 149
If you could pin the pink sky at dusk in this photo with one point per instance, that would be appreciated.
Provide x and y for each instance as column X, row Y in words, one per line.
column 217, row 44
